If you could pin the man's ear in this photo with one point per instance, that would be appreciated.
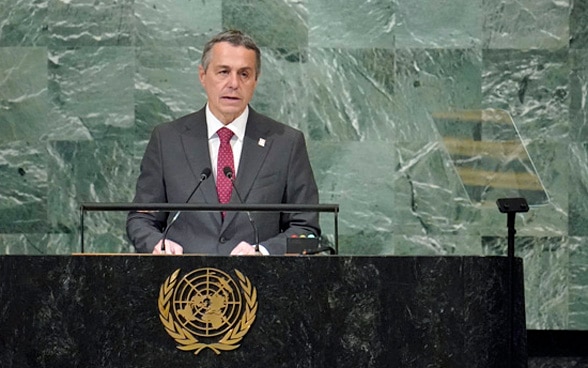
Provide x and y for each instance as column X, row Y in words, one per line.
column 201, row 73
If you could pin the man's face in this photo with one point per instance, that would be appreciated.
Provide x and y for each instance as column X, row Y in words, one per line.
column 229, row 80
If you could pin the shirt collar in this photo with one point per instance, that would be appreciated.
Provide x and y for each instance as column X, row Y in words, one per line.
column 237, row 126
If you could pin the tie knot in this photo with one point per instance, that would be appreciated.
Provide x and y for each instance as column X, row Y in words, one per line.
column 225, row 135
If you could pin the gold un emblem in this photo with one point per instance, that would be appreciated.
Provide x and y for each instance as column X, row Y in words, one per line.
column 207, row 308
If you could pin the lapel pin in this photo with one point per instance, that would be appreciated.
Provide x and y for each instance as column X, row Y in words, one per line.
column 261, row 142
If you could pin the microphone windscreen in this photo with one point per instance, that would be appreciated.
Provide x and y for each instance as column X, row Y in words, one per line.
column 228, row 172
column 205, row 173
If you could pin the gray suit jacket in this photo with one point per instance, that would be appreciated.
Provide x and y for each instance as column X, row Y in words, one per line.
column 278, row 171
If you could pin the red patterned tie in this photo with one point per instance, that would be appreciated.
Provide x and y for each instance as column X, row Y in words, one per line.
column 224, row 187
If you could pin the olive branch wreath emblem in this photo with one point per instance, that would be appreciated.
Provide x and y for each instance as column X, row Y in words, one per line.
column 186, row 340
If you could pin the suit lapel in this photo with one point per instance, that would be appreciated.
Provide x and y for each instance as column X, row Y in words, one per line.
column 256, row 146
column 195, row 144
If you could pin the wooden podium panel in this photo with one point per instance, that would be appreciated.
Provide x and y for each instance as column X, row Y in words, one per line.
column 335, row 311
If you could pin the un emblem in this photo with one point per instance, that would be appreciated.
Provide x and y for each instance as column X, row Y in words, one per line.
column 207, row 308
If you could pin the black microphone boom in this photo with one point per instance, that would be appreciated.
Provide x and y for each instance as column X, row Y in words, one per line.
column 203, row 176
column 229, row 174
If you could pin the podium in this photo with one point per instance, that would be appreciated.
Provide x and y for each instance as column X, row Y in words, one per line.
column 335, row 311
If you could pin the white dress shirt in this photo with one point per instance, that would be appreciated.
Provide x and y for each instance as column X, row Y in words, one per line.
column 237, row 126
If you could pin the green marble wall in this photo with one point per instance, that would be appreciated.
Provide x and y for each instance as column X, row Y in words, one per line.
column 83, row 82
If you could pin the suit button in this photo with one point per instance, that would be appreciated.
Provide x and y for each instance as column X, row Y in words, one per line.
column 222, row 239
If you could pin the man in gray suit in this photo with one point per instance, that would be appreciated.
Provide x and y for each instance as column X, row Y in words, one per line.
column 267, row 162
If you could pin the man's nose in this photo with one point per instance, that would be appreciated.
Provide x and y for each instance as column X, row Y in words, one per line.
column 233, row 80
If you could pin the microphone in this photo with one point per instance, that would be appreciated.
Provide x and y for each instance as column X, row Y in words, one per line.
column 203, row 176
column 229, row 174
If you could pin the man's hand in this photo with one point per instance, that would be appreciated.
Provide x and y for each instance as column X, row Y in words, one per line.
column 171, row 247
column 243, row 249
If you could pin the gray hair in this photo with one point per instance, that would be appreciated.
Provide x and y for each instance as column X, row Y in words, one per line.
column 235, row 38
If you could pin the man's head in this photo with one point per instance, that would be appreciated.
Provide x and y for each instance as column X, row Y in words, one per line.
column 235, row 38
column 231, row 64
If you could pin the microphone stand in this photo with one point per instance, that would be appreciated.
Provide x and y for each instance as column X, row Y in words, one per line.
column 229, row 174
column 203, row 176
column 511, row 206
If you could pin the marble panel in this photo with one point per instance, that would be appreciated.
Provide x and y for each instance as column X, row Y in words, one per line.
column 579, row 95
column 351, row 95
column 436, row 245
column 438, row 24
column 23, row 192
column 23, row 94
column 23, row 23
column 445, row 78
column 430, row 197
column 578, row 283
column 166, row 86
column 558, row 362
column 533, row 87
column 272, row 23
column 91, row 90
column 578, row 190
column 39, row 243
column 352, row 23
column 90, row 23
column 431, row 82
column 365, row 194
column 526, row 24
column 578, row 25
column 366, row 242
column 93, row 171
column 171, row 23
column 280, row 92
column 546, row 262
column 402, row 198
